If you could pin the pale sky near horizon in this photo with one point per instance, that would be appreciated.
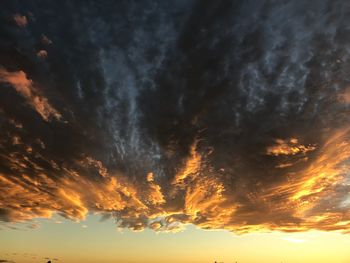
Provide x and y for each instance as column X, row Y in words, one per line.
column 95, row 241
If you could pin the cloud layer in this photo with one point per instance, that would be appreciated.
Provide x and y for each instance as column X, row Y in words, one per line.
column 227, row 115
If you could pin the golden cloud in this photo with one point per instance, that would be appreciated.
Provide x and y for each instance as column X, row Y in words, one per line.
column 24, row 86
column 288, row 147
column 308, row 198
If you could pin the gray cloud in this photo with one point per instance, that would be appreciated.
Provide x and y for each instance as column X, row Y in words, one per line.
column 229, row 115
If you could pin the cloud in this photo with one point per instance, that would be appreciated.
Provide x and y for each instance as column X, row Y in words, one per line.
column 20, row 20
column 42, row 53
column 45, row 40
column 229, row 115
column 24, row 86
column 344, row 97
column 290, row 147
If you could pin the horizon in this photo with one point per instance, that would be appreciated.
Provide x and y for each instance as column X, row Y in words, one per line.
column 190, row 245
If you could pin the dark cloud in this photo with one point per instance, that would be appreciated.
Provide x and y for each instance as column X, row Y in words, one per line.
column 230, row 114
column 6, row 261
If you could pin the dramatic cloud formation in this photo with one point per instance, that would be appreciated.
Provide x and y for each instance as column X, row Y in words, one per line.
column 227, row 115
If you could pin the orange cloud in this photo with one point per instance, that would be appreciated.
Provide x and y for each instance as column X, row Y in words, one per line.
column 24, row 86
column 344, row 97
column 42, row 53
column 310, row 197
column 191, row 167
column 314, row 195
column 155, row 192
column 20, row 20
column 288, row 147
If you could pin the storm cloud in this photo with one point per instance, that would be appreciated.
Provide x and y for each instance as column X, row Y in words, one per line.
column 227, row 115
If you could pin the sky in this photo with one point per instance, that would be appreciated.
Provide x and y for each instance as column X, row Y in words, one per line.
column 93, row 241
column 187, row 130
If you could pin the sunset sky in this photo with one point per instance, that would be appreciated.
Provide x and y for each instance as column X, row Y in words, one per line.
column 92, row 241
column 175, row 131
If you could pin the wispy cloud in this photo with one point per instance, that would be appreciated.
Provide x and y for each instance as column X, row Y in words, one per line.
column 24, row 86
column 288, row 147
column 6, row 261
